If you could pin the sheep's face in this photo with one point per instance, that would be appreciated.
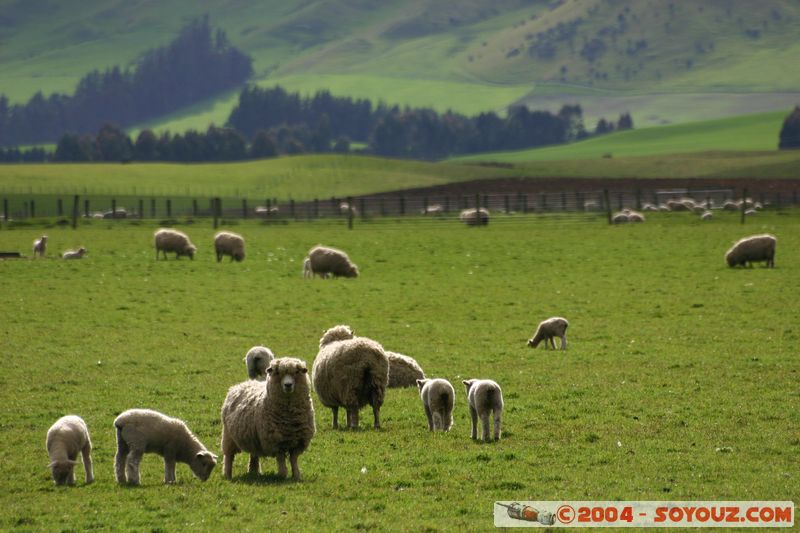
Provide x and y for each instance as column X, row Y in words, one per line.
column 352, row 272
column 533, row 343
column 190, row 250
column 288, row 373
column 203, row 464
column 238, row 256
column 62, row 472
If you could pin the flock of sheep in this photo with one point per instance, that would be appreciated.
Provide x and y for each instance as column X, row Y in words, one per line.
column 702, row 208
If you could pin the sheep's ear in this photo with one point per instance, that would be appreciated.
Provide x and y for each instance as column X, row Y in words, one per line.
column 304, row 370
column 421, row 383
column 270, row 370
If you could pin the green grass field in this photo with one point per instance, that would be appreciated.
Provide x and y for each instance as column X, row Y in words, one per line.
column 680, row 382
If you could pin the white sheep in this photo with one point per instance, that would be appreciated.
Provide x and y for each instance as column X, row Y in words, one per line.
column 170, row 240
column 547, row 331
column 74, row 254
column 706, row 215
column 620, row 218
column 65, row 439
column 484, row 396
column 257, row 360
column 404, row 371
column 269, row 419
column 324, row 260
column 228, row 243
column 731, row 205
column 433, row 209
column 141, row 431
column 753, row 248
column 40, row 246
column 635, row 216
column 473, row 217
column 350, row 372
column 346, row 209
column 438, row 398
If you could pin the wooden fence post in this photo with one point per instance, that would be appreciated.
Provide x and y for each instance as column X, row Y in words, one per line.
column 349, row 212
column 607, row 201
column 60, row 207
column 169, row 208
column 744, row 204
column 113, row 208
column 33, row 209
column 76, row 205
column 194, row 207
column 152, row 207
column 86, row 208
column 5, row 209
column 216, row 208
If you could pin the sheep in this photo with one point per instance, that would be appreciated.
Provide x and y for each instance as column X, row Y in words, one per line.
column 433, row 209
column 40, row 246
column 141, row 431
column 549, row 329
column 74, row 254
column 706, row 215
column 750, row 211
column 484, row 396
column 119, row 212
column 346, row 209
column 170, row 240
column 438, row 398
column 620, row 218
column 264, row 211
column 635, row 216
column 664, row 208
column 649, row 207
column 324, row 260
column 473, row 217
column 404, row 371
column 269, row 419
column 350, row 372
column 228, row 243
column 753, row 248
column 730, row 205
column 257, row 360
column 65, row 439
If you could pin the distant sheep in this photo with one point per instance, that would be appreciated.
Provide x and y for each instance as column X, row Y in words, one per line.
column 438, row 398
column 404, row 371
column 119, row 212
column 433, row 209
column 141, row 431
column 635, row 216
column 484, row 397
column 473, row 217
column 269, row 419
column 170, row 240
column 730, row 205
column 65, row 439
column 74, row 254
column 40, row 246
column 264, row 211
column 706, row 215
column 649, row 207
column 350, row 372
column 754, row 248
column 257, row 360
column 324, row 260
column 346, row 209
column 230, row 244
column 547, row 331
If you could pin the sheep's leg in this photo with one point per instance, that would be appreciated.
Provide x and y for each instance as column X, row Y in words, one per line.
column 120, row 461
column 352, row 417
column 376, row 414
column 430, row 417
column 227, row 463
column 86, row 453
column 281, row 458
column 335, row 417
column 254, row 466
column 498, row 413
column 71, row 475
column 553, row 343
column 474, row 415
column 132, row 468
column 169, row 470
column 485, row 425
column 295, row 469
column 564, row 342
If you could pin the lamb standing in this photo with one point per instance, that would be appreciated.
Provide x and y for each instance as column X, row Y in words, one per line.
column 753, row 248
column 323, row 260
column 141, row 431
column 438, row 398
column 548, row 330
column 74, row 254
column 40, row 246
column 257, row 360
column 484, row 396
column 350, row 372
column 170, row 240
column 65, row 439
column 404, row 371
column 269, row 420
column 228, row 243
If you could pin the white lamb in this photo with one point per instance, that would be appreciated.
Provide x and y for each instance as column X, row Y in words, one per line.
column 40, row 246
column 484, row 396
column 228, row 243
column 170, row 240
column 324, row 260
column 438, row 398
column 269, row 419
column 74, row 254
column 141, row 431
column 257, row 360
column 65, row 439
column 547, row 331
column 473, row 217
column 754, row 248
column 404, row 371
column 350, row 372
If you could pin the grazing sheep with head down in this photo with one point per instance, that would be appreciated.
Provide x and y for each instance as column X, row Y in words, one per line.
column 65, row 439
column 549, row 329
column 404, row 371
column 269, row 419
column 475, row 217
column 257, row 360
column 74, row 254
column 754, row 248
column 141, row 431
column 438, row 398
column 170, row 240
column 484, row 397
column 228, row 243
column 40, row 246
column 350, row 372
column 323, row 260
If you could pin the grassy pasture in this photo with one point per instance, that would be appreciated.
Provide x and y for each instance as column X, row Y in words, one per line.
column 680, row 381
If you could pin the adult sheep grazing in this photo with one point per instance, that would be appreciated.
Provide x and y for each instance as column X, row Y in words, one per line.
column 620, row 218
column 40, row 246
column 484, row 397
column 753, row 248
column 547, row 331
column 635, row 216
column 230, row 244
column 170, row 240
column 438, row 398
column 141, row 431
column 350, row 372
column 475, row 217
column 324, row 260
column 269, row 419
column 65, row 439
column 257, row 360
column 404, row 371
column 74, row 254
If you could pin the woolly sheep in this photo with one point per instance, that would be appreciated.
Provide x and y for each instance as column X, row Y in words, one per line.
column 433, row 209
column 404, row 371
column 649, row 207
column 484, row 396
column 228, row 243
column 753, row 248
column 40, row 246
column 635, row 216
column 751, row 212
column 324, row 260
column 730, row 205
column 664, row 208
column 345, row 209
column 269, row 419
column 170, row 240
column 350, row 372
column 74, row 254
column 65, row 439
column 471, row 217
column 263, row 211
column 549, row 329
column 707, row 215
column 620, row 218
column 257, row 360
column 438, row 398
column 141, row 431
